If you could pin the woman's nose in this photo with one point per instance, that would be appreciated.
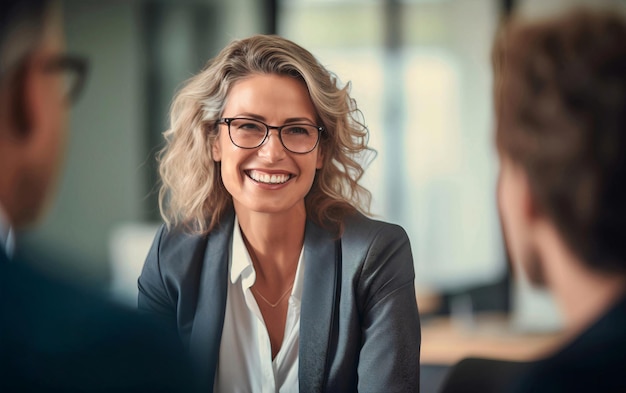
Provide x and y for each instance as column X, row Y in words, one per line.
column 272, row 149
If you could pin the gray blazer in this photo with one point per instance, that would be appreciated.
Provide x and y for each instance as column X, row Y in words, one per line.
column 359, row 324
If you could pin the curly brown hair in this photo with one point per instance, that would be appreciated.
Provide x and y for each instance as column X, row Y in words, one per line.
column 560, row 103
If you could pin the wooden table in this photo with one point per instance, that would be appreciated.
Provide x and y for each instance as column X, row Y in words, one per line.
column 446, row 341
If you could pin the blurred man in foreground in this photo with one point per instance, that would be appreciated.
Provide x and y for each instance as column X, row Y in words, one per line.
column 560, row 101
column 54, row 337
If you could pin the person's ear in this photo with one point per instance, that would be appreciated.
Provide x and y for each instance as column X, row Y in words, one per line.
column 216, row 150
column 21, row 109
column 528, row 202
column 320, row 158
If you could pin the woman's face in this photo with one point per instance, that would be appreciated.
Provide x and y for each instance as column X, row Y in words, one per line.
column 269, row 178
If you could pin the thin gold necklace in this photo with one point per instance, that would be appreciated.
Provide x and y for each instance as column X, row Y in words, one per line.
column 272, row 305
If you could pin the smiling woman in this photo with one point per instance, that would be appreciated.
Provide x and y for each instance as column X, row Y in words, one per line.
column 258, row 170
column 267, row 266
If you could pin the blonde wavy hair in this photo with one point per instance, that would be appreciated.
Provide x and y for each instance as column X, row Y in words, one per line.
column 192, row 194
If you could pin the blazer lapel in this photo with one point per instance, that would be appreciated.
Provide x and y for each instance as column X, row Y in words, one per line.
column 208, row 323
column 322, row 262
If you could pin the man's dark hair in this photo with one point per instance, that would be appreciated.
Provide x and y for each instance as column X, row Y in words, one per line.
column 21, row 28
column 560, row 102
column 21, row 24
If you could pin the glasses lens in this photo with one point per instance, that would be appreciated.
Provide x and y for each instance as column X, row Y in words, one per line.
column 74, row 76
column 247, row 133
column 297, row 138
column 300, row 138
column 72, row 70
column 70, row 83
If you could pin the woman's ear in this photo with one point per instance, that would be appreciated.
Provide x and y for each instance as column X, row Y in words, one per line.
column 320, row 158
column 216, row 150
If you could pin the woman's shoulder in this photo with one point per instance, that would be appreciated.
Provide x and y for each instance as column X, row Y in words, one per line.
column 360, row 226
column 170, row 240
column 376, row 250
column 180, row 243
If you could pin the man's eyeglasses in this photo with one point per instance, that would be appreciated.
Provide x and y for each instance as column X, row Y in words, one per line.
column 250, row 133
column 73, row 70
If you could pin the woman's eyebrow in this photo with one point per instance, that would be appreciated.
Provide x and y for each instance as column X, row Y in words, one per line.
column 287, row 121
column 250, row 115
column 298, row 119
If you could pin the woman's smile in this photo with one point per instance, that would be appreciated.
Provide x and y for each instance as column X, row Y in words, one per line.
column 268, row 178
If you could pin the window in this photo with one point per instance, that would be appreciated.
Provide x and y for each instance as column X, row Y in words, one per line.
column 420, row 72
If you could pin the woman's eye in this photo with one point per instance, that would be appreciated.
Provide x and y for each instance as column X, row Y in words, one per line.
column 296, row 130
column 250, row 127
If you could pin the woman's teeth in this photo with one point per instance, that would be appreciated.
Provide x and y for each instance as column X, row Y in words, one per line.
column 267, row 178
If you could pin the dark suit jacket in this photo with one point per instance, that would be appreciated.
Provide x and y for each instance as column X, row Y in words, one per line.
column 594, row 362
column 359, row 326
column 476, row 375
column 56, row 338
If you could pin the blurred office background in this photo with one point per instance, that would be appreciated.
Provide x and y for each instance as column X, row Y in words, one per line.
column 420, row 72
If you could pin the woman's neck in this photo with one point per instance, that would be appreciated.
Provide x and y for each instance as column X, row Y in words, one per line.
column 274, row 242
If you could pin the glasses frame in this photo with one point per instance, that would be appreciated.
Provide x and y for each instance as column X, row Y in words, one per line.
column 229, row 120
column 67, row 62
column 56, row 63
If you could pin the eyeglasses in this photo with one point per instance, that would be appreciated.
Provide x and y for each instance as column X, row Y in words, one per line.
column 73, row 70
column 250, row 134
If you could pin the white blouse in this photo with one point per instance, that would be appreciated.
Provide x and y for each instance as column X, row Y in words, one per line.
column 245, row 359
